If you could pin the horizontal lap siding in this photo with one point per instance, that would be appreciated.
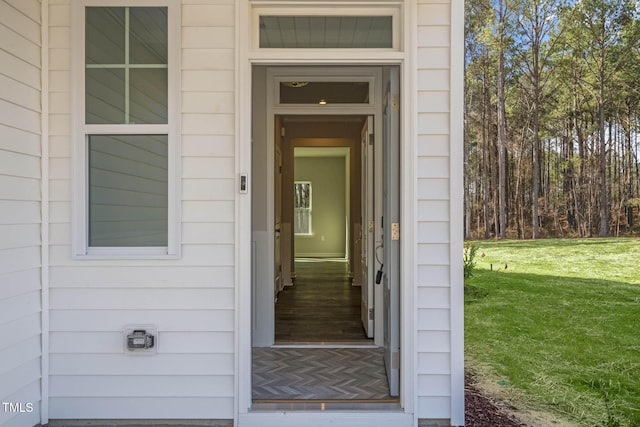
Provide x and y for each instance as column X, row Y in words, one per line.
column 20, row 209
column 433, row 234
column 191, row 299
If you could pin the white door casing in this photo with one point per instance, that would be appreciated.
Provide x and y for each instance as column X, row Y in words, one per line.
column 249, row 56
column 385, row 188
column 406, row 392
column 262, row 308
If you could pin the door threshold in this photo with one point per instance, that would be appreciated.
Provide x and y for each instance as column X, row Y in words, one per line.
column 328, row 344
column 390, row 404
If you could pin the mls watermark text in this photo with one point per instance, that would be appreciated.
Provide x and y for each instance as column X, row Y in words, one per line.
column 17, row 407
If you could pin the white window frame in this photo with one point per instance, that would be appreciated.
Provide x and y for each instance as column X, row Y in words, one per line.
column 326, row 10
column 82, row 131
column 308, row 210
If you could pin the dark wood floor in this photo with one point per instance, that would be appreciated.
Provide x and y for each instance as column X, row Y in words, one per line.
column 322, row 306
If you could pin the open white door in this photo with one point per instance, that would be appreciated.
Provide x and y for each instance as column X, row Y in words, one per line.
column 367, row 228
column 277, row 280
column 391, row 226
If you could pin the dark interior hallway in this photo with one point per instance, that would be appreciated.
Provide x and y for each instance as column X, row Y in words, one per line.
column 322, row 306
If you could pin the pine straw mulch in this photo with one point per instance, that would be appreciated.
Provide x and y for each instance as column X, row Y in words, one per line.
column 483, row 411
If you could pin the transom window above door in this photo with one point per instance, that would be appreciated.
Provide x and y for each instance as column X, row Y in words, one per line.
column 326, row 32
column 316, row 27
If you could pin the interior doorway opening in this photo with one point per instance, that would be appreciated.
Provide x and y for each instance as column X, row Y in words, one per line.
column 319, row 301
column 291, row 246
column 323, row 303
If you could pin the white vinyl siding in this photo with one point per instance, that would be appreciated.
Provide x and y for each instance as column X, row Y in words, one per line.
column 20, row 209
column 434, row 211
column 190, row 299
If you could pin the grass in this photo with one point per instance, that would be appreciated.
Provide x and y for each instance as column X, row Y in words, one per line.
column 559, row 321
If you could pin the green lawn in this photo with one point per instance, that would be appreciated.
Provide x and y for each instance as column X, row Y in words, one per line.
column 560, row 324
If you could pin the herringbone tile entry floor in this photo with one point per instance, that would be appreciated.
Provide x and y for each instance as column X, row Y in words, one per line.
column 319, row 373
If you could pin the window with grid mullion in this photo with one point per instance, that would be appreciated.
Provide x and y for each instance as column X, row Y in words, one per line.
column 127, row 127
column 126, row 65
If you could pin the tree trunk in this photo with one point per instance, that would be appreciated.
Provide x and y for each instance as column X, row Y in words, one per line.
column 535, row 168
column 604, row 217
column 486, row 156
column 467, row 204
column 502, row 125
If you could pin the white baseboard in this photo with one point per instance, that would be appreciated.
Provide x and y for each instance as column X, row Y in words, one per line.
column 320, row 255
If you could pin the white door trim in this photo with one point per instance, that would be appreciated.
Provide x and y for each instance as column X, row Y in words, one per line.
column 263, row 304
column 245, row 59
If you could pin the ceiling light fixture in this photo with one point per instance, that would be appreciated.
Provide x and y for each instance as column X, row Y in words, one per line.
column 294, row 84
column 322, row 101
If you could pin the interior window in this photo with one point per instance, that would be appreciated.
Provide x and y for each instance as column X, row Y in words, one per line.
column 300, row 92
column 302, row 207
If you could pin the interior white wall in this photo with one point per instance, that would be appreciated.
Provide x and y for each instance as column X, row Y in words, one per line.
column 329, row 211
column 262, row 324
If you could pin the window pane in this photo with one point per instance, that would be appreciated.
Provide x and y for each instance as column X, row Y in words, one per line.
column 302, row 221
column 148, row 96
column 302, row 195
column 105, row 35
column 128, row 193
column 148, row 35
column 105, row 96
column 302, row 207
column 120, row 90
column 331, row 92
column 341, row 32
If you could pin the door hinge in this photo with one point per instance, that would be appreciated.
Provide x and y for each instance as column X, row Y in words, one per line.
column 371, row 313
